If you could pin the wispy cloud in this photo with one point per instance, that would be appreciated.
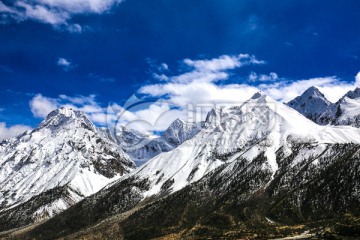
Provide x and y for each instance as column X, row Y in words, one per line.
column 58, row 13
column 254, row 77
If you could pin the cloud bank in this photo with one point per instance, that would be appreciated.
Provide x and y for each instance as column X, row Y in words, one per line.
column 211, row 82
column 202, row 84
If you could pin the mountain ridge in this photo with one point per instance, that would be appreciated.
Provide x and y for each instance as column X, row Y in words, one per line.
column 265, row 158
column 346, row 111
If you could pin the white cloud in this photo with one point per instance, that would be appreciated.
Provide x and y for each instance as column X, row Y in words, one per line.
column 224, row 62
column 9, row 132
column 80, row 6
column 41, row 106
column 55, row 12
column 214, row 69
column 198, row 84
column 43, row 14
column 64, row 64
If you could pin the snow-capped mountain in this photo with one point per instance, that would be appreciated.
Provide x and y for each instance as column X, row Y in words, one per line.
column 313, row 105
column 250, row 159
column 63, row 160
column 141, row 147
column 260, row 125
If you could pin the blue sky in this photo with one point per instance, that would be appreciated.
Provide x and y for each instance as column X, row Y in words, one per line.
column 93, row 53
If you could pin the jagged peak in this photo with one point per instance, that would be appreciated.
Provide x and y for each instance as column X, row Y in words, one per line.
column 65, row 115
column 352, row 94
column 312, row 92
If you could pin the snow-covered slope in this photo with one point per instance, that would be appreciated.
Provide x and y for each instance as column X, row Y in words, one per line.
column 66, row 151
column 141, row 147
column 260, row 125
column 313, row 105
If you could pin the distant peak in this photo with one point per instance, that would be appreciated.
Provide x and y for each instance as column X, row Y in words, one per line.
column 310, row 93
column 313, row 92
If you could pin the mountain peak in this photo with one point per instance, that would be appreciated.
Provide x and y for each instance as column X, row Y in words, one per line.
column 313, row 92
column 65, row 115
column 310, row 103
column 312, row 89
column 353, row 94
column 66, row 111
